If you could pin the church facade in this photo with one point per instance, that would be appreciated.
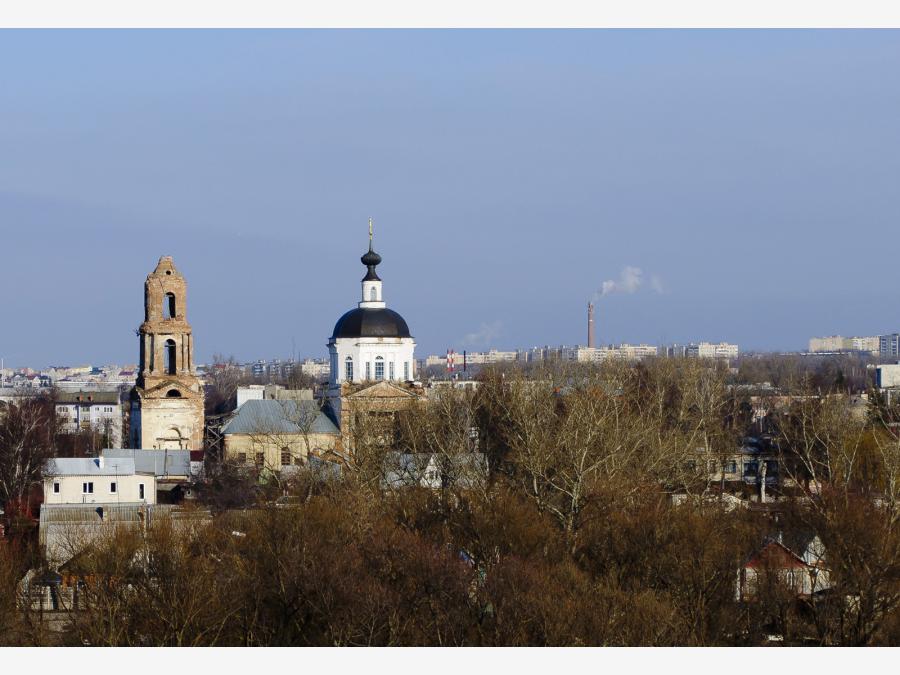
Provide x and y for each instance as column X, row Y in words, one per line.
column 167, row 400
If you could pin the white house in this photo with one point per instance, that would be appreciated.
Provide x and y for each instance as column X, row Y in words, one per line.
column 97, row 480
column 433, row 470
column 797, row 562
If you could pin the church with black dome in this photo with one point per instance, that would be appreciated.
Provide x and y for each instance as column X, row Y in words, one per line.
column 371, row 343
column 372, row 357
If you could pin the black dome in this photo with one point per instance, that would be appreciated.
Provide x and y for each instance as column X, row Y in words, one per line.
column 370, row 258
column 371, row 323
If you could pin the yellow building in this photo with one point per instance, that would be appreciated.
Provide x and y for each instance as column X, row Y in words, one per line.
column 272, row 434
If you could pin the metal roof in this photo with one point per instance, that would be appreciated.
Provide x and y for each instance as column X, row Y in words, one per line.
column 92, row 397
column 160, row 462
column 280, row 417
column 366, row 322
column 89, row 466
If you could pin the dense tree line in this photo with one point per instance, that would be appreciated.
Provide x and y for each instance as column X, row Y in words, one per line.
column 570, row 538
column 847, row 373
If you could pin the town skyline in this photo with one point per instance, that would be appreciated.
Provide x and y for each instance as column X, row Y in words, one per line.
column 511, row 176
column 452, row 325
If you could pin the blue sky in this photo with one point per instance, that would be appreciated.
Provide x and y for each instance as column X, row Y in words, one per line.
column 752, row 177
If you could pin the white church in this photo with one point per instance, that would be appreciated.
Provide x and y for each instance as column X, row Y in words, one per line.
column 372, row 359
column 371, row 342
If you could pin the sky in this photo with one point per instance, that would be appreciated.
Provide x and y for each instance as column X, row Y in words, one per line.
column 737, row 185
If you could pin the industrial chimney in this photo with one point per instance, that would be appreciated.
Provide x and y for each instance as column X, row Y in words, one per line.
column 590, row 342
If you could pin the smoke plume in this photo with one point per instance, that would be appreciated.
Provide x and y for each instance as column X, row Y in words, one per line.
column 631, row 279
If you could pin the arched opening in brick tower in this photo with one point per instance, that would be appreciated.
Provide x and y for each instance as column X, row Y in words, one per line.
column 170, row 357
column 169, row 306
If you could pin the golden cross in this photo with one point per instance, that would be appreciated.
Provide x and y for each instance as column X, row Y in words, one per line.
column 370, row 230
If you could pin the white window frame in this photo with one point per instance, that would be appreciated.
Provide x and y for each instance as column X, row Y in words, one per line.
column 113, row 487
column 87, row 487
column 56, row 487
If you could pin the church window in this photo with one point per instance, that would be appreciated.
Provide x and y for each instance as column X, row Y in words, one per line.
column 391, row 375
column 170, row 357
column 169, row 306
column 285, row 457
column 379, row 368
column 173, row 393
column 260, row 459
column 373, row 296
column 368, row 371
column 348, row 369
column 406, row 370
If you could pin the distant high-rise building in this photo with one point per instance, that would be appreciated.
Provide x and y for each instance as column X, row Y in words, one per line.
column 837, row 343
column 832, row 343
column 708, row 350
column 865, row 344
column 889, row 345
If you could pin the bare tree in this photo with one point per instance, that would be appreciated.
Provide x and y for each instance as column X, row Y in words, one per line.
column 26, row 443
column 575, row 443
column 222, row 380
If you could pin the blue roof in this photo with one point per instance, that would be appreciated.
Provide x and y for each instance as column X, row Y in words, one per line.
column 280, row 417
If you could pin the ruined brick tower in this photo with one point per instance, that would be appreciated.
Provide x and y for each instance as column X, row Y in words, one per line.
column 167, row 401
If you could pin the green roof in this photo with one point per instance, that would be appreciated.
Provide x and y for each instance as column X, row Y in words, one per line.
column 281, row 417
